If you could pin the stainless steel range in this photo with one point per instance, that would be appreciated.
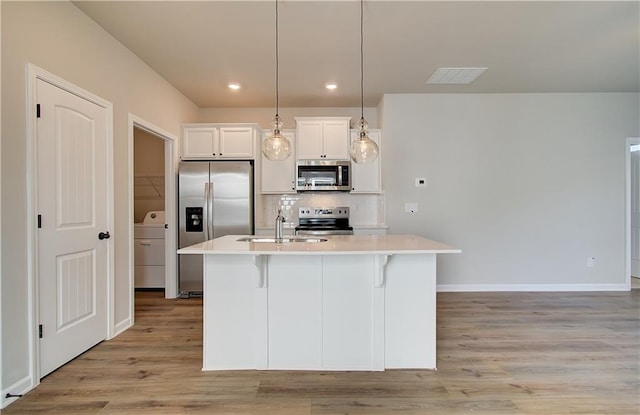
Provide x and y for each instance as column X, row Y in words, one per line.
column 323, row 221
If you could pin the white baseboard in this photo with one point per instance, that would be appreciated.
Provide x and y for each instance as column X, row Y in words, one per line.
column 122, row 326
column 19, row 388
column 529, row 287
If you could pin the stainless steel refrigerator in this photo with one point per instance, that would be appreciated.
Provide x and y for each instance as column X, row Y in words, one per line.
column 214, row 199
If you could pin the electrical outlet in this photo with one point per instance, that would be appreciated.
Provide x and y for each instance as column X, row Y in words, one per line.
column 421, row 182
column 410, row 207
column 591, row 261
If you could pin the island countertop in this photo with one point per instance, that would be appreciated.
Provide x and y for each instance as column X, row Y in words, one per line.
column 335, row 245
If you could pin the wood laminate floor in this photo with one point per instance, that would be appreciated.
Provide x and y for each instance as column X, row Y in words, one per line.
column 498, row 353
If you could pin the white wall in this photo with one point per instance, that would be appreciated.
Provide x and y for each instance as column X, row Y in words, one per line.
column 527, row 185
column 59, row 38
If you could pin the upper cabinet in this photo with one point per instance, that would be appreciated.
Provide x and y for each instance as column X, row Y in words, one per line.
column 279, row 176
column 365, row 178
column 218, row 141
column 322, row 138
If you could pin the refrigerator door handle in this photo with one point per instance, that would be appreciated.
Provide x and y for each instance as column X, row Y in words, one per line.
column 210, row 202
column 205, row 212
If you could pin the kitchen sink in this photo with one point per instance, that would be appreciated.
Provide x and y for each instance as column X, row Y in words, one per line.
column 286, row 239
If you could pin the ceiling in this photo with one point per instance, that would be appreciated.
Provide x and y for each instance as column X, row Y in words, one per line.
column 537, row 46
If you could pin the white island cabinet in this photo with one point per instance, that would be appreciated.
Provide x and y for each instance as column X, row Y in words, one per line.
column 349, row 303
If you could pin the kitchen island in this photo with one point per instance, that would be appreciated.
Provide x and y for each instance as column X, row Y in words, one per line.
column 347, row 303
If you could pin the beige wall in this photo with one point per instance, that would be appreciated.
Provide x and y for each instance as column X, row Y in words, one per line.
column 148, row 167
column 264, row 116
column 527, row 185
column 59, row 38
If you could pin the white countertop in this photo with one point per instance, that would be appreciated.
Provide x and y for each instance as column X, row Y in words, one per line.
column 335, row 245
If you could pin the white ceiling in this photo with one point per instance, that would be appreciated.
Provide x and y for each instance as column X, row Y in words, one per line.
column 537, row 46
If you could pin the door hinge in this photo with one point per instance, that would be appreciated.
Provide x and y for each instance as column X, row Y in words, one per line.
column 39, row 221
column 40, row 331
column 37, row 110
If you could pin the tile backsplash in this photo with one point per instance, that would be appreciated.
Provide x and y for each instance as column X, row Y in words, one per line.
column 365, row 209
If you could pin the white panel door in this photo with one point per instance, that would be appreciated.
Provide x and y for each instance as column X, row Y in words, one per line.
column 72, row 202
column 635, row 213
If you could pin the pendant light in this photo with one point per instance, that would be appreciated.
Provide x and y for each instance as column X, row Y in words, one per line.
column 276, row 147
column 363, row 149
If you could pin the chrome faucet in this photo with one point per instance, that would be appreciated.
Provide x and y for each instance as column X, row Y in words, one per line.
column 279, row 222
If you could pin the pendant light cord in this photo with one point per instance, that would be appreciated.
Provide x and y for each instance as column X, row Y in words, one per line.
column 361, row 61
column 277, row 64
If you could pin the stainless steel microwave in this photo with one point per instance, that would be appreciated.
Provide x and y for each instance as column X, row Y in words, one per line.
column 323, row 175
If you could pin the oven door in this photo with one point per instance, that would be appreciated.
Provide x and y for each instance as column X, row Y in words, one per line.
column 323, row 232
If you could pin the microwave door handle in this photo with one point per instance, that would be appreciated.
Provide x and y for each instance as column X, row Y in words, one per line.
column 339, row 181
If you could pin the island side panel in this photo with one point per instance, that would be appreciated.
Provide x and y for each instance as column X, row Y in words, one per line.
column 410, row 312
column 295, row 312
column 231, row 296
column 348, row 301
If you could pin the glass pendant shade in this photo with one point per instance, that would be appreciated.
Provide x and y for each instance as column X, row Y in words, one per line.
column 363, row 150
column 276, row 147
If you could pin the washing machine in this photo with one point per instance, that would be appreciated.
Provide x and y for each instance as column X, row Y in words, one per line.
column 150, row 251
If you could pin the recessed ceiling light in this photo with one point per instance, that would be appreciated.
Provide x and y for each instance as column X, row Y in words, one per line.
column 455, row 75
column 331, row 86
column 234, row 85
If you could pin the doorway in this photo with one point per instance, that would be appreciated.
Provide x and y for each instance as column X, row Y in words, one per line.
column 148, row 211
column 152, row 190
column 633, row 211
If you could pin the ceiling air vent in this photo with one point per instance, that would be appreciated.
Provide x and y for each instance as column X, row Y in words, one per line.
column 455, row 75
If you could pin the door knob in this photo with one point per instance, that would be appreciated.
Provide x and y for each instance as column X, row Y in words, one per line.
column 104, row 235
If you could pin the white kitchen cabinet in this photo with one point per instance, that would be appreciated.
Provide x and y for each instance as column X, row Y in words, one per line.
column 215, row 141
column 279, row 176
column 366, row 178
column 322, row 138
